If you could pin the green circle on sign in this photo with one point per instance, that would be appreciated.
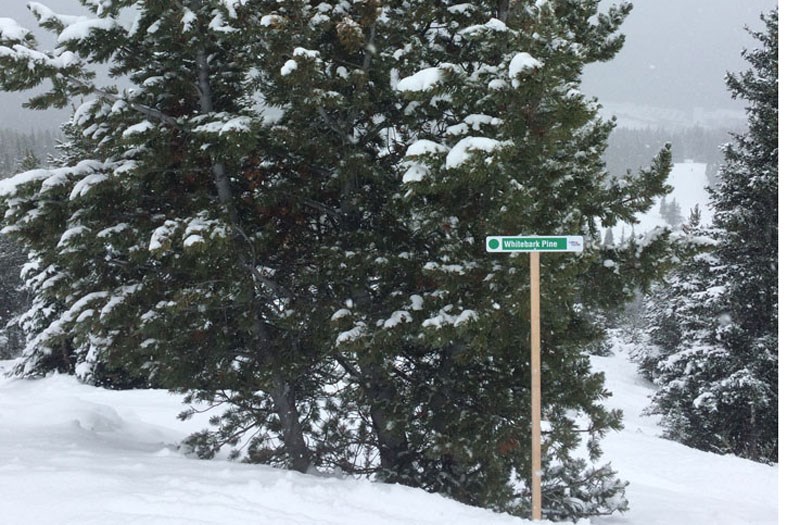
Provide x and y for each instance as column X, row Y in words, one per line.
column 494, row 244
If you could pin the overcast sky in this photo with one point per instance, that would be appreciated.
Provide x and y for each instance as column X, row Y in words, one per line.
column 677, row 53
column 675, row 57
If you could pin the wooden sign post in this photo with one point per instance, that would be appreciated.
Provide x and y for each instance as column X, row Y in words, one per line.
column 535, row 380
column 535, row 245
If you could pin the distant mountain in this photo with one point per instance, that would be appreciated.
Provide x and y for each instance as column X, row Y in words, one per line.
column 636, row 116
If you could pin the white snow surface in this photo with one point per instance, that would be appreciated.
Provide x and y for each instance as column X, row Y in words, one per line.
column 672, row 484
column 44, row 14
column 9, row 186
column 72, row 454
column 136, row 129
column 82, row 29
column 460, row 153
column 288, row 67
column 424, row 147
column 522, row 62
column 494, row 25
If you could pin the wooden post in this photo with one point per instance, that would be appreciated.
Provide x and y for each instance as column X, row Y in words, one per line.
column 535, row 380
column 535, row 244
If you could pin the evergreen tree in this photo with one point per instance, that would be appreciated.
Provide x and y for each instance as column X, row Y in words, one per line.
column 670, row 212
column 505, row 143
column 416, row 303
column 153, row 191
column 717, row 334
column 15, row 146
column 12, row 298
column 28, row 162
column 676, row 309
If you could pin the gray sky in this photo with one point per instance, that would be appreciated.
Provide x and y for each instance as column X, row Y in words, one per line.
column 675, row 57
column 677, row 53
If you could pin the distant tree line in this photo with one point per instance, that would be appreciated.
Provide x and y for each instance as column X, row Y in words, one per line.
column 15, row 146
column 630, row 148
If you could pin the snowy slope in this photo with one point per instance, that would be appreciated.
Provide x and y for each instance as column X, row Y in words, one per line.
column 671, row 484
column 76, row 455
column 689, row 183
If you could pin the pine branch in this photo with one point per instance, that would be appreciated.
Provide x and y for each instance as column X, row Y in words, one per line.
column 331, row 123
column 112, row 97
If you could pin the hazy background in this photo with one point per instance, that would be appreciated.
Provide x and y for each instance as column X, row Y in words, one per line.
column 671, row 69
column 677, row 52
column 670, row 72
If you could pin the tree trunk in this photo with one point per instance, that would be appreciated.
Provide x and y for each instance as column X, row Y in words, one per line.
column 292, row 431
column 282, row 393
column 395, row 455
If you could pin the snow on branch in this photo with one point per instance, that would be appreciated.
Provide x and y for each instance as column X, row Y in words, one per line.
column 10, row 30
column 460, row 153
column 83, row 29
column 423, row 80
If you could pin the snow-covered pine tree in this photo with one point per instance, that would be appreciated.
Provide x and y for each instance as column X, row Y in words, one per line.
column 150, row 268
column 372, row 98
column 13, row 298
column 676, row 309
column 328, row 68
column 671, row 213
column 418, row 89
column 718, row 383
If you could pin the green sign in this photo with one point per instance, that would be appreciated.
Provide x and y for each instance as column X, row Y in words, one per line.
column 535, row 243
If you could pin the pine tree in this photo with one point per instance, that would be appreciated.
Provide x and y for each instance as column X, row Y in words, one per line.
column 505, row 143
column 676, row 309
column 671, row 213
column 717, row 334
column 12, row 298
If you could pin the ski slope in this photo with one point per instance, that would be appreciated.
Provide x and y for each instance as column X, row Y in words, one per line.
column 71, row 454
column 689, row 185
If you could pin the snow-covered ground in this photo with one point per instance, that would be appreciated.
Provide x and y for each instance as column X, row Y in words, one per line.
column 78, row 455
column 672, row 484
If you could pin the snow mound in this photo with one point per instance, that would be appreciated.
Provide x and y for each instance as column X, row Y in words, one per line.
column 71, row 454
